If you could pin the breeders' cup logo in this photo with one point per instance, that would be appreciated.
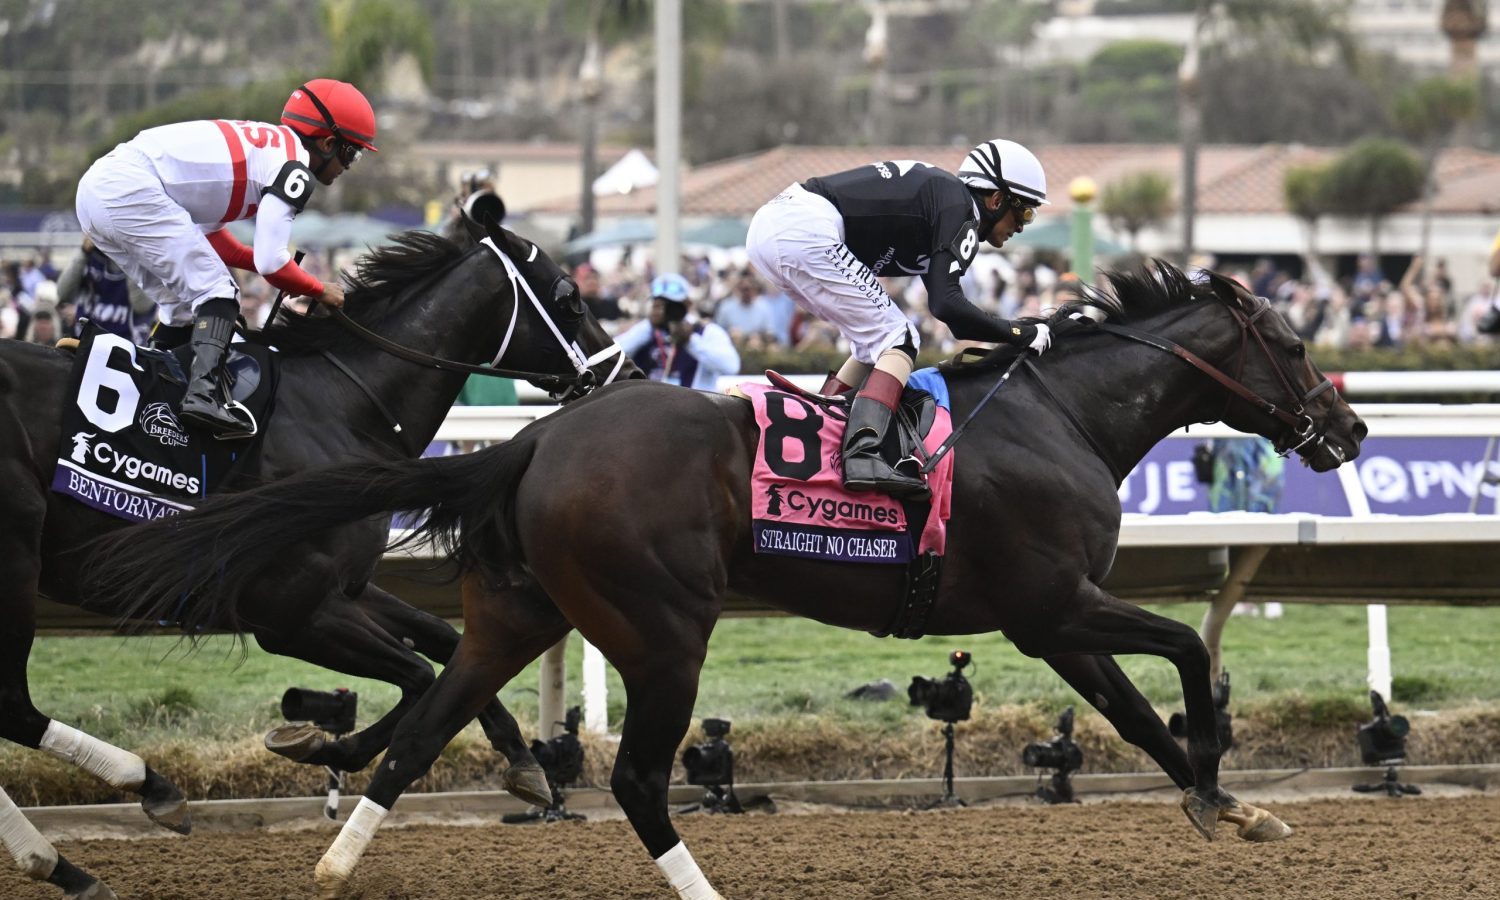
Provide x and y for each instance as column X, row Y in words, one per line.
column 157, row 420
column 81, row 446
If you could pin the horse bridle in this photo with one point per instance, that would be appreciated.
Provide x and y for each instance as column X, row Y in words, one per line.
column 581, row 382
column 1302, row 430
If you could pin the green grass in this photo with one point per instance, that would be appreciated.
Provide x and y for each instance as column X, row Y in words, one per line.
column 138, row 689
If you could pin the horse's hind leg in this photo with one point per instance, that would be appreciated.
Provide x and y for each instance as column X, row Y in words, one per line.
column 1101, row 682
column 502, row 633
column 437, row 640
column 21, row 722
column 38, row 859
column 1095, row 622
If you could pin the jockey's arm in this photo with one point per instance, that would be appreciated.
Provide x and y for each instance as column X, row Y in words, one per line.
column 271, row 258
column 947, row 303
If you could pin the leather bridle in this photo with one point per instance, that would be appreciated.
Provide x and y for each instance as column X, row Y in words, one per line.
column 1301, row 429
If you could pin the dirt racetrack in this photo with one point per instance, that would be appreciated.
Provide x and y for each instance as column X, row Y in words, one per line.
column 1363, row 848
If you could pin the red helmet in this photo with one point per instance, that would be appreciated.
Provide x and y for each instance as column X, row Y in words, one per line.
column 323, row 106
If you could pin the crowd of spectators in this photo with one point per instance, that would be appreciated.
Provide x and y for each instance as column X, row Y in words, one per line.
column 1420, row 307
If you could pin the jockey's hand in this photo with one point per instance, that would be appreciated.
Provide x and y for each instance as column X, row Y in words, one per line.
column 333, row 294
column 1034, row 337
column 1070, row 324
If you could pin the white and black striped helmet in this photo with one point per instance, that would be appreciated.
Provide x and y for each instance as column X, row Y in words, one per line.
column 1005, row 166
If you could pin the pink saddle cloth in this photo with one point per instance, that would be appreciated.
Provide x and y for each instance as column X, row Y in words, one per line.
column 799, row 506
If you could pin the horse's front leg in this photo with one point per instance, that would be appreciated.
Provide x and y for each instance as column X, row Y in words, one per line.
column 1094, row 622
column 38, row 859
column 492, row 650
column 23, row 723
column 437, row 640
column 1101, row 682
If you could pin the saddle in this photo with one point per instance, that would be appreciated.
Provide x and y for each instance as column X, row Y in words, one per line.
column 124, row 449
column 903, row 443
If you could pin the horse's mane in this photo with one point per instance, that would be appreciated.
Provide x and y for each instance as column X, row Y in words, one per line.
column 373, row 294
column 1143, row 291
column 1139, row 292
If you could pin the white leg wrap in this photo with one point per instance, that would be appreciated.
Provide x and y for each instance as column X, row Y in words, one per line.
column 115, row 767
column 338, row 863
column 684, row 875
column 32, row 853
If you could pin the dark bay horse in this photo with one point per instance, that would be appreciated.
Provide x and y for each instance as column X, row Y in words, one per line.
column 501, row 301
column 627, row 516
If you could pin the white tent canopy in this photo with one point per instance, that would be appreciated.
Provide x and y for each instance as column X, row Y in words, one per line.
column 633, row 171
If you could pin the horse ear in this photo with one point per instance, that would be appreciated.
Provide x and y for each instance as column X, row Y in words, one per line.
column 1226, row 290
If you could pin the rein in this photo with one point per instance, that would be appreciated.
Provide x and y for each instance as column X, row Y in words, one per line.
column 1303, row 429
column 582, row 377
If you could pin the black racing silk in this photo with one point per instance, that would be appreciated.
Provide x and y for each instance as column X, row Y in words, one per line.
column 904, row 217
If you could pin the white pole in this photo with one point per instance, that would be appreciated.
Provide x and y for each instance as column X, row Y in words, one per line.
column 1378, row 654
column 668, row 132
column 595, row 691
column 553, row 692
column 1380, row 651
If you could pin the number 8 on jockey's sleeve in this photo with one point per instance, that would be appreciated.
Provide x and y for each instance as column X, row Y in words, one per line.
column 828, row 240
column 157, row 206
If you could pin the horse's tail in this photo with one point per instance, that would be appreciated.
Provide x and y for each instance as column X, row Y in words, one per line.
column 192, row 569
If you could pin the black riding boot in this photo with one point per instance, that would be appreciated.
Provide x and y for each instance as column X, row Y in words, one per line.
column 213, row 327
column 864, row 468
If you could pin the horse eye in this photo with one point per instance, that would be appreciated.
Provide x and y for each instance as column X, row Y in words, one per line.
column 1299, row 351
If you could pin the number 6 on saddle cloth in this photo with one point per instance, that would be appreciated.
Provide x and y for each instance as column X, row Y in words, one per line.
column 125, row 451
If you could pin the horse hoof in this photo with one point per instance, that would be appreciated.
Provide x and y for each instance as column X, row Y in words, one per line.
column 529, row 784
column 96, row 891
column 330, row 884
column 1202, row 812
column 165, row 805
column 1255, row 824
column 297, row 742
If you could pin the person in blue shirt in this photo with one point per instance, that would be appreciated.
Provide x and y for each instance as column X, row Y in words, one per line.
column 673, row 345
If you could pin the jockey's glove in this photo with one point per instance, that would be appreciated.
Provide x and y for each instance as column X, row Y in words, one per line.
column 1035, row 337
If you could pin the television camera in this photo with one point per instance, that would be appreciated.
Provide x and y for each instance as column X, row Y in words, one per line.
column 1060, row 753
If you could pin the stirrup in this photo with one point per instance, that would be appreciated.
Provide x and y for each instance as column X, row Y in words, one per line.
column 884, row 479
column 249, row 427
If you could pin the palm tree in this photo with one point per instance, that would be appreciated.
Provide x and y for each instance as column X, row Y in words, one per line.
column 1430, row 112
column 1305, row 190
column 1287, row 25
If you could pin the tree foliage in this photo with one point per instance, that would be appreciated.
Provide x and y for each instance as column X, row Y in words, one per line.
column 1430, row 109
column 367, row 34
column 1373, row 178
column 1305, row 190
column 1137, row 201
column 1127, row 93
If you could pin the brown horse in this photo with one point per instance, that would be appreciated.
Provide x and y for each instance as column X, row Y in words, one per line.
column 627, row 516
column 419, row 311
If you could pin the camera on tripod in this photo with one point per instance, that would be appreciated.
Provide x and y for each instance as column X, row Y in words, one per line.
column 1223, row 721
column 1060, row 753
column 949, row 699
column 561, row 758
column 332, row 711
column 711, row 762
column 1382, row 742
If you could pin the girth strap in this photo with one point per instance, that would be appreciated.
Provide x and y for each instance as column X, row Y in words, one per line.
column 922, row 576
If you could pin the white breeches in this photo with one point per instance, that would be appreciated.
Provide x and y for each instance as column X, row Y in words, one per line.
column 124, row 210
column 796, row 241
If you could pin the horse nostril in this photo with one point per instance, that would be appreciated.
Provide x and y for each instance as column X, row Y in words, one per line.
column 1360, row 429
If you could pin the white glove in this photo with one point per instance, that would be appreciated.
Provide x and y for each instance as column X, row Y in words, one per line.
column 1042, row 341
